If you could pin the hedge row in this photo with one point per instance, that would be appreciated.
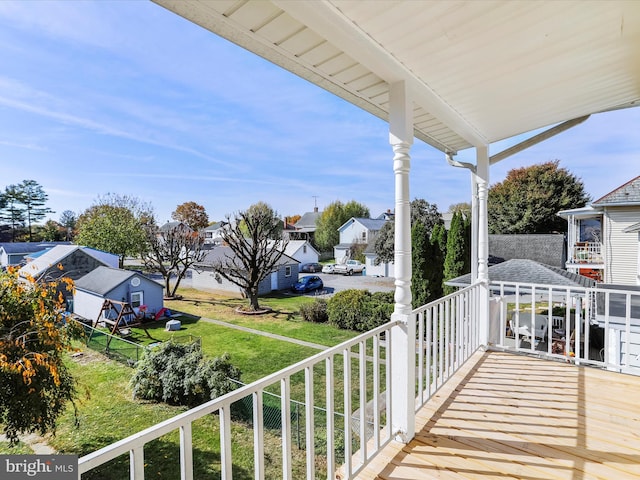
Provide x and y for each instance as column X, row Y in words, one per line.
column 358, row 310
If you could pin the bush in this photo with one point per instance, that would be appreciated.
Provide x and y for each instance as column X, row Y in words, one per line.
column 359, row 310
column 178, row 374
column 315, row 312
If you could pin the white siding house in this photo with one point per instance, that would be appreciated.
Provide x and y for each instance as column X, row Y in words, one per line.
column 602, row 238
column 302, row 251
column 354, row 231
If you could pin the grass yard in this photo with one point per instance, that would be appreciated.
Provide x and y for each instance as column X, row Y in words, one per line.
column 109, row 413
column 284, row 320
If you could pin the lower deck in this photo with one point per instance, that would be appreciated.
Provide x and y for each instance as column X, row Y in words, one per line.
column 511, row 416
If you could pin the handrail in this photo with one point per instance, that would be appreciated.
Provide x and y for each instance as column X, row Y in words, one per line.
column 134, row 444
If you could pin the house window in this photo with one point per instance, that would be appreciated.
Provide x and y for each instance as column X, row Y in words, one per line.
column 287, row 271
column 137, row 299
column 304, row 249
column 364, row 236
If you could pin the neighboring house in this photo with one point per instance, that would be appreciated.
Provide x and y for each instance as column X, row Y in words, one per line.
column 205, row 278
column 602, row 239
column 302, row 251
column 388, row 215
column 213, row 233
column 385, row 269
column 305, row 228
column 13, row 253
column 356, row 230
column 106, row 283
column 70, row 261
column 168, row 226
column 548, row 249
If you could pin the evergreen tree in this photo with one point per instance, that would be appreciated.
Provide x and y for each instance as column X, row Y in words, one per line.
column 33, row 199
column 455, row 260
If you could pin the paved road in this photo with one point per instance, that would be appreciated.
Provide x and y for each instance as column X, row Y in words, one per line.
column 336, row 283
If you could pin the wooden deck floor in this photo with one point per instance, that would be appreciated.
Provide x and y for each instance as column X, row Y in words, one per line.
column 508, row 416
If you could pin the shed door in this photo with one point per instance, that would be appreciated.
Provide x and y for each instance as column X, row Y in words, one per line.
column 274, row 281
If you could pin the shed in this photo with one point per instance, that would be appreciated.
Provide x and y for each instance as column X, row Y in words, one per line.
column 106, row 283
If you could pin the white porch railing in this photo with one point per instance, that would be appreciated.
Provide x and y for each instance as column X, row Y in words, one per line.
column 586, row 252
column 595, row 326
column 447, row 334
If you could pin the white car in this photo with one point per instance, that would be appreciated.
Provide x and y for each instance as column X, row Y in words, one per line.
column 329, row 268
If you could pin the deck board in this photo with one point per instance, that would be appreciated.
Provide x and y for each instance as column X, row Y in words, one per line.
column 507, row 416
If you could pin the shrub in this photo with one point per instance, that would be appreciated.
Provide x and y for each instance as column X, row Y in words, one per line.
column 315, row 312
column 359, row 310
column 178, row 374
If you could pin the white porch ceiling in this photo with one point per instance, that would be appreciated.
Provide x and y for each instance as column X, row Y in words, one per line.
column 478, row 71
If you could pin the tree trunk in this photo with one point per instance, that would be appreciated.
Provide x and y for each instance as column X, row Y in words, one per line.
column 253, row 300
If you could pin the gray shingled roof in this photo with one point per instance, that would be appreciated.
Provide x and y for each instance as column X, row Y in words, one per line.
column 307, row 221
column 29, row 247
column 527, row 271
column 548, row 249
column 104, row 279
column 627, row 194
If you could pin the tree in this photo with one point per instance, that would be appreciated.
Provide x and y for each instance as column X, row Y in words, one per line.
column 293, row 219
column 172, row 252
column 33, row 198
column 194, row 215
column 115, row 224
column 52, row 231
column 462, row 207
column 68, row 220
column 456, row 260
column 36, row 384
column 421, row 211
column 179, row 374
column 254, row 253
column 332, row 218
column 528, row 200
column 12, row 211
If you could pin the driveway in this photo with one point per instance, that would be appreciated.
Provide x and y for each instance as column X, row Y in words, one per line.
column 336, row 283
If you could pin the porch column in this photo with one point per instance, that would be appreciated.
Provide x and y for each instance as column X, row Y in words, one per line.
column 482, row 177
column 474, row 227
column 403, row 336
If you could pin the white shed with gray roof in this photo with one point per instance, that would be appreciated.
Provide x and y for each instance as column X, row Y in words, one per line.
column 115, row 284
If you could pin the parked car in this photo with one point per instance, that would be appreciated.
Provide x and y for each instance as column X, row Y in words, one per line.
column 310, row 268
column 349, row 267
column 329, row 268
column 308, row 284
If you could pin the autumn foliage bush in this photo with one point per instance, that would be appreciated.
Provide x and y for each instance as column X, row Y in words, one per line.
column 35, row 385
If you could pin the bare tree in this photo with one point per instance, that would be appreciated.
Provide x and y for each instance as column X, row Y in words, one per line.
column 255, row 238
column 172, row 252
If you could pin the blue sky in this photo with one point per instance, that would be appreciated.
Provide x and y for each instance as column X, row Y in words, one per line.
column 125, row 97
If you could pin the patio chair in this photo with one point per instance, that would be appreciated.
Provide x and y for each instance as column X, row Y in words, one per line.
column 524, row 329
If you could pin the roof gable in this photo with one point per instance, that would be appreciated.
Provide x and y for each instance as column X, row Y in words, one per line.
column 371, row 224
column 627, row 194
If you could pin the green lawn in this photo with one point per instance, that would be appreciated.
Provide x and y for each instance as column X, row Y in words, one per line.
column 107, row 412
column 284, row 320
